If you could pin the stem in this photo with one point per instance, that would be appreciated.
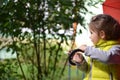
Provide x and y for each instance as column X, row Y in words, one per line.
column 39, row 76
column 21, row 67
column 38, row 61
column 56, row 56
column 44, row 48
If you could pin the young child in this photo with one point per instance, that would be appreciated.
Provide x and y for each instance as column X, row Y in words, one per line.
column 104, row 57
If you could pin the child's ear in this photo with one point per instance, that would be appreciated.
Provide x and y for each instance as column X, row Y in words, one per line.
column 102, row 34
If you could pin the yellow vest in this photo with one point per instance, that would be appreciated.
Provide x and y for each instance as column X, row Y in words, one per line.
column 102, row 71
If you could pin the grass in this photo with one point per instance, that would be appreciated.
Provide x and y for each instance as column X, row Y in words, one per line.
column 75, row 74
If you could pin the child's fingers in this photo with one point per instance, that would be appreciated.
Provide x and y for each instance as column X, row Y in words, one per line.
column 77, row 57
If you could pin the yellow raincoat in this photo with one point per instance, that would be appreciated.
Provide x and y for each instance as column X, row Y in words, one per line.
column 103, row 71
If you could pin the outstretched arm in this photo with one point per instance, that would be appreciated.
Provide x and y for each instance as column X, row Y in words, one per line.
column 110, row 56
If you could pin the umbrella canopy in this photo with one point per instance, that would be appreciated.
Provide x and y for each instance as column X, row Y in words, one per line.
column 112, row 7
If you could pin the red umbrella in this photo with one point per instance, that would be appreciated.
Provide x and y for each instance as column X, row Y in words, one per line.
column 112, row 7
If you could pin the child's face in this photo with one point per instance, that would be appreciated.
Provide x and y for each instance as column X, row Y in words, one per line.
column 94, row 37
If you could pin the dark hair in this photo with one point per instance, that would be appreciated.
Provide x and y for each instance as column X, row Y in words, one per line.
column 108, row 24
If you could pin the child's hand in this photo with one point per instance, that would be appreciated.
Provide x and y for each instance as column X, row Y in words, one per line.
column 83, row 47
column 78, row 58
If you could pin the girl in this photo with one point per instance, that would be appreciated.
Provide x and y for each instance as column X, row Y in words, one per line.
column 104, row 57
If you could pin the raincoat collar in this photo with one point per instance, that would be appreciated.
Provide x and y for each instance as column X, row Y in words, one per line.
column 103, row 43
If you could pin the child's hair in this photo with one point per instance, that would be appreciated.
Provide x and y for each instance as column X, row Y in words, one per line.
column 108, row 24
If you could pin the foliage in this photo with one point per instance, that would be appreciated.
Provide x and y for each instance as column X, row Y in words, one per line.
column 39, row 49
column 8, row 70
